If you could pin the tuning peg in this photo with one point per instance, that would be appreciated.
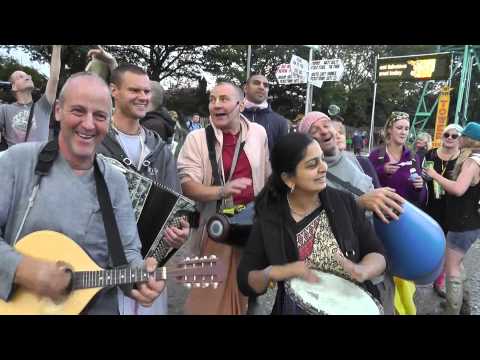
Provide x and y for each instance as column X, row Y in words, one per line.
column 213, row 257
column 187, row 259
column 215, row 285
column 205, row 285
column 196, row 258
column 188, row 285
column 197, row 285
column 205, row 258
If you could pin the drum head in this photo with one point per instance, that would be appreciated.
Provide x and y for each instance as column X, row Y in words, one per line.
column 333, row 295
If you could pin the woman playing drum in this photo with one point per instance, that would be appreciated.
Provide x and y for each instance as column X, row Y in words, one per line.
column 301, row 224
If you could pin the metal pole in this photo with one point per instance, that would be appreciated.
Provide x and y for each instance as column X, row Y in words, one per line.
column 372, row 127
column 249, row 55
column 308, row 101
column 461, row 89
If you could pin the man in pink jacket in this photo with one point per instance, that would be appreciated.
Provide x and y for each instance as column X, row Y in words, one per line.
column 243, row 171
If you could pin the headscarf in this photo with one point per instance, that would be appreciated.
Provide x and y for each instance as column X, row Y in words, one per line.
column 310, row 119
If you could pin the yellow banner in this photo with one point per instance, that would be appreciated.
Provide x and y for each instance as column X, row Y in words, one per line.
column 442, row 115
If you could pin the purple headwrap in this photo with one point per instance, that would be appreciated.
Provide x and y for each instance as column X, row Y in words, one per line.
column 310, row 119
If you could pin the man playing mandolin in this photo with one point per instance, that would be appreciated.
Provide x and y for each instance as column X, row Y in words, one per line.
column 66, row 201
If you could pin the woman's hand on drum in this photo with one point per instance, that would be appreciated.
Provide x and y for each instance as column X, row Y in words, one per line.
column 176, row 237
column 390, row 168
column 358, row 272
column 296, row 269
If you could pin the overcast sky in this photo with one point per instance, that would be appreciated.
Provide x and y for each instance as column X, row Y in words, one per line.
column 23, row 59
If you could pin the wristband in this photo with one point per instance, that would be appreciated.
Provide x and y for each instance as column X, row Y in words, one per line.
column 222, row 192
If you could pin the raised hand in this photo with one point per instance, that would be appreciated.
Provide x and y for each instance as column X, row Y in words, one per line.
column 101, row 55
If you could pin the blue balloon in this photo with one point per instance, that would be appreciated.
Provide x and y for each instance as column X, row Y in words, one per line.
column 430, row 278
column 414, row 244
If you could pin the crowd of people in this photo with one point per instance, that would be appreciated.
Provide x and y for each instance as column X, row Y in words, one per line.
column 314, row 201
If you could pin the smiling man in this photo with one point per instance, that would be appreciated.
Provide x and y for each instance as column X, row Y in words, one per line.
column 144, row 150
column 258, row 110
column 65, row 200
column 242, row 178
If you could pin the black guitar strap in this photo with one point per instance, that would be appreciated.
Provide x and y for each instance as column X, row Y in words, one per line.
column 45, row 161
column 29, row 123
column 111, row 229
column 217, row 181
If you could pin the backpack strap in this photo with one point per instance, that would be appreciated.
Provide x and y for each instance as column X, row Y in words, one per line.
column 29, row 123
column 117, row 152
column 346, row 185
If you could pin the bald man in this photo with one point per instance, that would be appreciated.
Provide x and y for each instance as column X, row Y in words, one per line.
column 14, row 117
column 66, row 201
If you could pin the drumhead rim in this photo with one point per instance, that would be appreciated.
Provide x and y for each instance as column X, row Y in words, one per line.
column 311, row 310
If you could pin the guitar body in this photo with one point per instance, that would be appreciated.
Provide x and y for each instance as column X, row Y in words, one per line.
column 89, row 278
column 51, row 246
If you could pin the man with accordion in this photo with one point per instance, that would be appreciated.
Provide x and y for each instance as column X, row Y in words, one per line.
column 150, row 168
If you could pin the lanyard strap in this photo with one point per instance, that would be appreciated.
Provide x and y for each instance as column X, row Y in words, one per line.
column 238, row 149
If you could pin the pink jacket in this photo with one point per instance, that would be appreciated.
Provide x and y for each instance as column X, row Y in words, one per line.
column 194, row 164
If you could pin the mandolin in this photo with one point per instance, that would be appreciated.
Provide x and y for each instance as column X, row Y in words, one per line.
column 88, row 278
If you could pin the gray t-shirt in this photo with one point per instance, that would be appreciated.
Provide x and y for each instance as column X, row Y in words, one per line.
column 66, row 203
column 14, row 119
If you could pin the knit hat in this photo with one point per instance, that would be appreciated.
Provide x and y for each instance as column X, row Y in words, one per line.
column 310, row 119
column 472, row 130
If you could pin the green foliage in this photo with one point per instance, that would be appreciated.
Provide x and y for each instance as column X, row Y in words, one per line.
column 181, row 65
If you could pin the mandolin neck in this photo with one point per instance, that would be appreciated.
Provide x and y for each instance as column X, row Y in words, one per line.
column 114, row 277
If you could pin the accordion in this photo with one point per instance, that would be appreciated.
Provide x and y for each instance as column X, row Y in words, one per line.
column 156, row 207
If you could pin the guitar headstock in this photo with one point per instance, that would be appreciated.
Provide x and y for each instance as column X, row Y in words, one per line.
column 200, row 272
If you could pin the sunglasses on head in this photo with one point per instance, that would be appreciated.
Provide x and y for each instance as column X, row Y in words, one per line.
column 453, row 136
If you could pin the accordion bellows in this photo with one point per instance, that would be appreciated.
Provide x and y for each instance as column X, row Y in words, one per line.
column 156, row 207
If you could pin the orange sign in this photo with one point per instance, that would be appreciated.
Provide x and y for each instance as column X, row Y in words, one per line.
column 442, row 115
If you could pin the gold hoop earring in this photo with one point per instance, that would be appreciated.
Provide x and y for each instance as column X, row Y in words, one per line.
column 292, row 189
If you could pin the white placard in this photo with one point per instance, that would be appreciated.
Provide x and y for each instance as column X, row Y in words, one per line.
column 285, row 76
column 299, row 68
column 326, row 70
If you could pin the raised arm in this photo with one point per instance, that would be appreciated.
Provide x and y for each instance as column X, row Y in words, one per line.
column 459, row 187
column 52, row 84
